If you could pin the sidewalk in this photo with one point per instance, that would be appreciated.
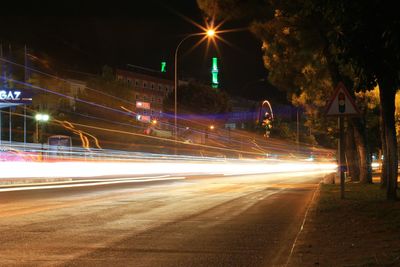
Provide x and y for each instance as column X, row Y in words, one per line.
column 362, row 230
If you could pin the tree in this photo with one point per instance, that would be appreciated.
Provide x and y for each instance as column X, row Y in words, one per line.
column 366, row 37
column 198, row 99
column 359, row 42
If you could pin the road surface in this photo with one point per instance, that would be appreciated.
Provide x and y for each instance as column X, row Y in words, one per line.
column 199, row 221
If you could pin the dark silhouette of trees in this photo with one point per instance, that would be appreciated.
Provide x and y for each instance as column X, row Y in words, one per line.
column 310, row 46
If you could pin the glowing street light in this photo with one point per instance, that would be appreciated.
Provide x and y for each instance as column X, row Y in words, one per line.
column 210, row 33
column 212, row 127
column 42, row 117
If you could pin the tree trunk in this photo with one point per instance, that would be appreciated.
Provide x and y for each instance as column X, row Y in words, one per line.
column 360, row 132
column 384, row 161
column 387, row 94
column 360, row 139
column 351, row 155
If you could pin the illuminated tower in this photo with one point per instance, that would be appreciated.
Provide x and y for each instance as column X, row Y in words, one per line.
column 163, row 66
column 214, row 73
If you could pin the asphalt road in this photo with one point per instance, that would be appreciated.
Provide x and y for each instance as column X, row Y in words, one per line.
column 200, row 221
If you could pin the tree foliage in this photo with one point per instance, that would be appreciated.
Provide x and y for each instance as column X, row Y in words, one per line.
column 198, row 99
column 310, row 46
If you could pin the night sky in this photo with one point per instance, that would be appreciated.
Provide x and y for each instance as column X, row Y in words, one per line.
column 85, row 37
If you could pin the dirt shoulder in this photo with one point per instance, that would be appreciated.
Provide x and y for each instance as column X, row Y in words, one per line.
column 362, row 230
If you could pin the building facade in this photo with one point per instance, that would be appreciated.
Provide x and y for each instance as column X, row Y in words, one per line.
column 149, row 90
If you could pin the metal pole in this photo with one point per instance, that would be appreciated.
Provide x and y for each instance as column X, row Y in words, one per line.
column 41, row 140
column 37, row 132
column 1, row 125
column 341, row 156
column 176, row 95
column 9, row 125
column 10, row 117
column 176, row 87
column 26, row 79
column 298, row 130
column 24, row 126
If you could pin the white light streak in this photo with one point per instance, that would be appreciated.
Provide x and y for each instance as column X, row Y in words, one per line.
column 76, row 169
column 93, row 183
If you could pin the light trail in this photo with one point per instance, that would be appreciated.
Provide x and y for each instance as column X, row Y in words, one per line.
column 272, row 149
column 90, row 183
column 69, row 97
column 85, row 141
column 79, row 169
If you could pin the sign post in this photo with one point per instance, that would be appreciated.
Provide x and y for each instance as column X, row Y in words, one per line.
column 342, row 161
column 341, row 105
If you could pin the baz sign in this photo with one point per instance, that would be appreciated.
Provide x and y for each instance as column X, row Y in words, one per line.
column 10, row 96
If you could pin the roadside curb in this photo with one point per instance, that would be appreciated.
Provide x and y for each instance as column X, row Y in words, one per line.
column 310, row 207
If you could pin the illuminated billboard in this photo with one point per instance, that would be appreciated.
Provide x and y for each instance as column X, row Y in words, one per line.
column 14, row 97
column 143, row 105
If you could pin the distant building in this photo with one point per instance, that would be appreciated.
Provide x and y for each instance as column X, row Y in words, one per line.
column 74, row 88
column 243, row 114
column 150, row 88
column 59, row 94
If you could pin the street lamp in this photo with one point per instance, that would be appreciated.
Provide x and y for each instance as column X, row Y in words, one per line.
column 39, row 117
column 210, row 33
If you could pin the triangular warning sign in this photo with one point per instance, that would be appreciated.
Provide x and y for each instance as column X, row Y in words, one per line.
column 341, row 103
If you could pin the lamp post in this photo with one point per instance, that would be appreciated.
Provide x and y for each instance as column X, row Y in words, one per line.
column 209, row 33
column 211, row 127
column 40, row 118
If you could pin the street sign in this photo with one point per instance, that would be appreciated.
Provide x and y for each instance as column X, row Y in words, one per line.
column 14, row 97
column 341, row 103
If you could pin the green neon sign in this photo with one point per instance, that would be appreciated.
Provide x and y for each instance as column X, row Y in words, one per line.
column 163, row 66
column 214, row 73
